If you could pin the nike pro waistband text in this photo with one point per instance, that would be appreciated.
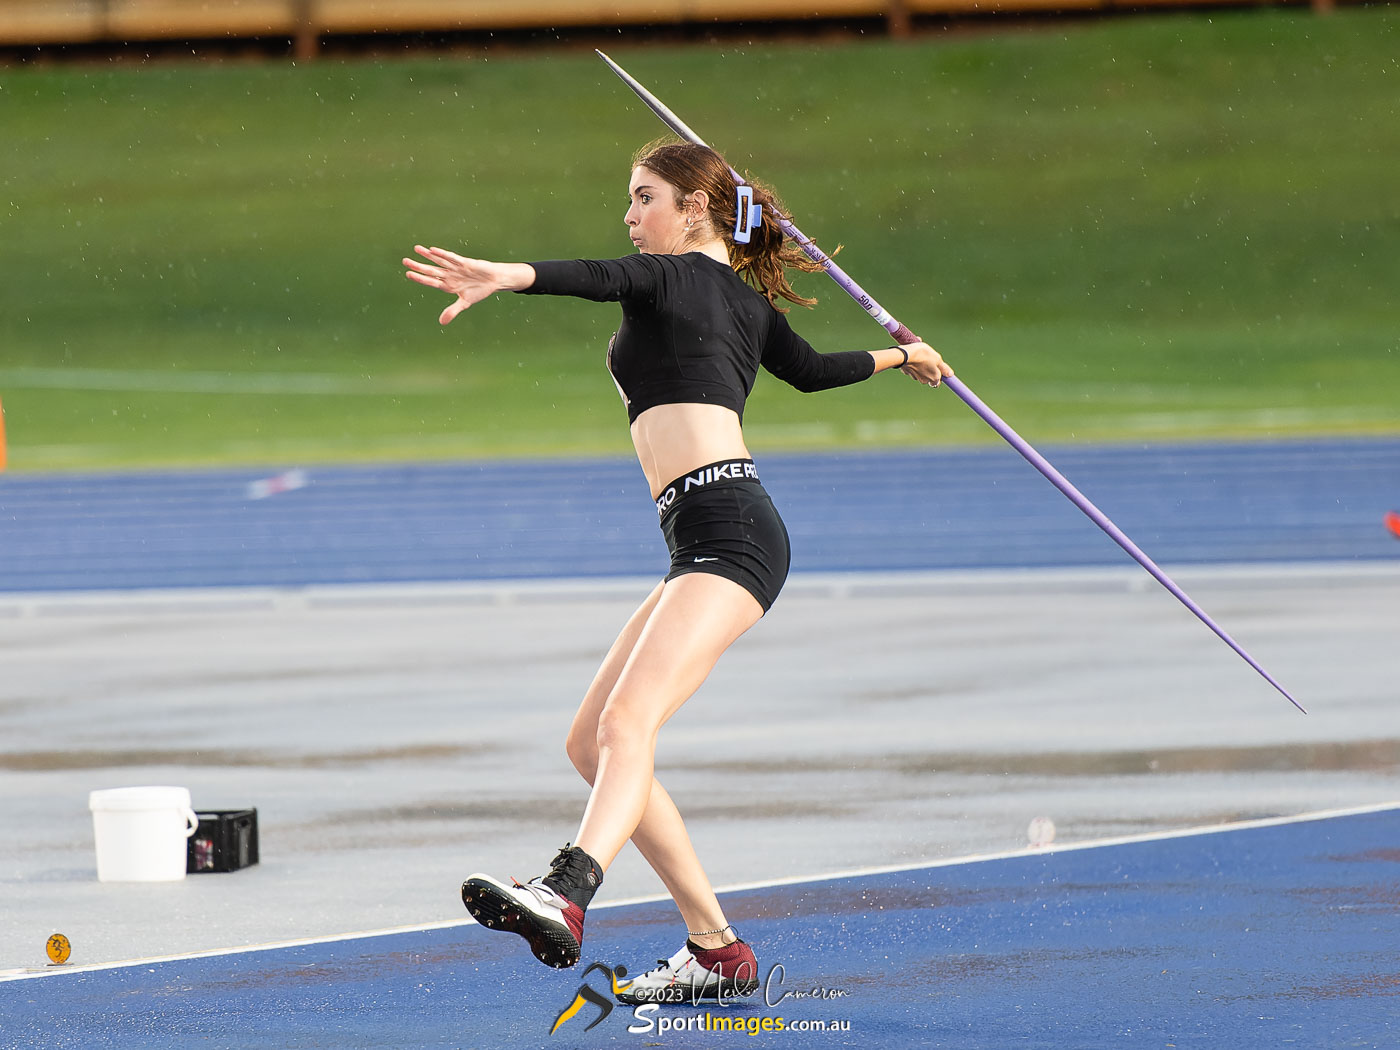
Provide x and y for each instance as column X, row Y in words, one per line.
column 725, row 471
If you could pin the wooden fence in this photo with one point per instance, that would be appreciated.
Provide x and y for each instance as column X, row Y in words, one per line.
column 39, row 22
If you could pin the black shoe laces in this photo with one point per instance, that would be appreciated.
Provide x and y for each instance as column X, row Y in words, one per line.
column 570, row 863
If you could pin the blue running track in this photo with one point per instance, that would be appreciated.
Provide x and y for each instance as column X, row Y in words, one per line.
column 885, row 511
column 1249, row 938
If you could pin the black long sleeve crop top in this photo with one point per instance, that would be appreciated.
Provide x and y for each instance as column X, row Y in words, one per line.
column 693, row 332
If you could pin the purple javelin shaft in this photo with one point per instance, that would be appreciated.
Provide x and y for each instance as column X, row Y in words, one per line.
column 904, row 335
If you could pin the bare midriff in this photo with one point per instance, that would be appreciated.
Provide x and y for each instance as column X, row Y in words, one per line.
column 672, row 440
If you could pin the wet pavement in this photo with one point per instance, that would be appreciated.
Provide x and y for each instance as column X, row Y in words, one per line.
column 394, row 739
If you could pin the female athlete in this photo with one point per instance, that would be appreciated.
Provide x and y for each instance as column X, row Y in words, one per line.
column 692, row 338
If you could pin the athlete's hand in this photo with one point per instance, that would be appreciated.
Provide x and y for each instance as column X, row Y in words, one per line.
column 470, row 280
column 925, row 364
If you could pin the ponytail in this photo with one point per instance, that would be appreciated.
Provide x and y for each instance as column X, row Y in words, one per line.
column 764, row 261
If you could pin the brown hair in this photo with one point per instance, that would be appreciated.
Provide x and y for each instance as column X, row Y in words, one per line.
column 764, row 260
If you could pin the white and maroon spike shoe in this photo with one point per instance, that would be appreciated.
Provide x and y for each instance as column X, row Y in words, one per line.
column 697, row 975
column 551, row 924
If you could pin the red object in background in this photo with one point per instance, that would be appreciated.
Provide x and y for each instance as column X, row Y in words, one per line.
column 1392, row 522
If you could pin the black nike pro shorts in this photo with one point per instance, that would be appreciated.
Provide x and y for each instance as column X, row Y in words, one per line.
column 718, row 519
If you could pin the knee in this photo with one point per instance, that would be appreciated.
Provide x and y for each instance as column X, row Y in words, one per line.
column 582, row 747
column 619, row 726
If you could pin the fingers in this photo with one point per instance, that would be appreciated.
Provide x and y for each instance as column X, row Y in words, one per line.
column 439, row 260
column 443, row 271
column 926, row 365
column 423, row 275
column 441, row 256
column 452, row 311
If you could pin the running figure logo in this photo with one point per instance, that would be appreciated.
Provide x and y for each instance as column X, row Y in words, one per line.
column 586, row 994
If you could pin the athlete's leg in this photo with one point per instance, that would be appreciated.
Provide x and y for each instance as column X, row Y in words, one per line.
column 662, row 839
column 582, row 741
column 692, row 620
column 695, row 619
column 660, row 836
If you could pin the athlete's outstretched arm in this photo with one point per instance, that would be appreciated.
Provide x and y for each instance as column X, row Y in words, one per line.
column 470, row 280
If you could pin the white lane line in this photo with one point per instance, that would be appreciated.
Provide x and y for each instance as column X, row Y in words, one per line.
column 797, row 880
column 838, row 585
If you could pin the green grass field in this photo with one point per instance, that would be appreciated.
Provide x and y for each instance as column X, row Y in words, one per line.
column 1144, row 229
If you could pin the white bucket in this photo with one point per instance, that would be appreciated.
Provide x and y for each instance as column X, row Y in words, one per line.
column 141, row 833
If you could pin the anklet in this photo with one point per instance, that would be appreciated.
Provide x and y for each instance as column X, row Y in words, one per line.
column 708, row 933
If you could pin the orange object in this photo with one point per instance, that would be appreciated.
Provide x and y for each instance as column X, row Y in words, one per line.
column 1392, row 519
column 58, row 949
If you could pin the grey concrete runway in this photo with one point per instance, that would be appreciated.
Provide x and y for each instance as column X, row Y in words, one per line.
column 394, row 740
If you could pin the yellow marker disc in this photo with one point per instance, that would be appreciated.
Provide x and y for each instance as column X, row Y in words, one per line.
column 59, row 949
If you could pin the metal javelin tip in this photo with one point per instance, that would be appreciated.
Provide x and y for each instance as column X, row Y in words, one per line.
column 655, row 104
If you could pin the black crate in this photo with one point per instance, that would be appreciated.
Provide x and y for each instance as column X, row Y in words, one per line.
column 226, row 840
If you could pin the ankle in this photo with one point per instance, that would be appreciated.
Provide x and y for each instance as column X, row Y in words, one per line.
column 575, row 876
column 710, row 943
column 712, row 939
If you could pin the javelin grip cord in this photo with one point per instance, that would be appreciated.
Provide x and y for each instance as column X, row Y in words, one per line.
column 903, row 335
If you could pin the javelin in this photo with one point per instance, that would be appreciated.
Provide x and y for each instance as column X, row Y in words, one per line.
column 904, row 335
